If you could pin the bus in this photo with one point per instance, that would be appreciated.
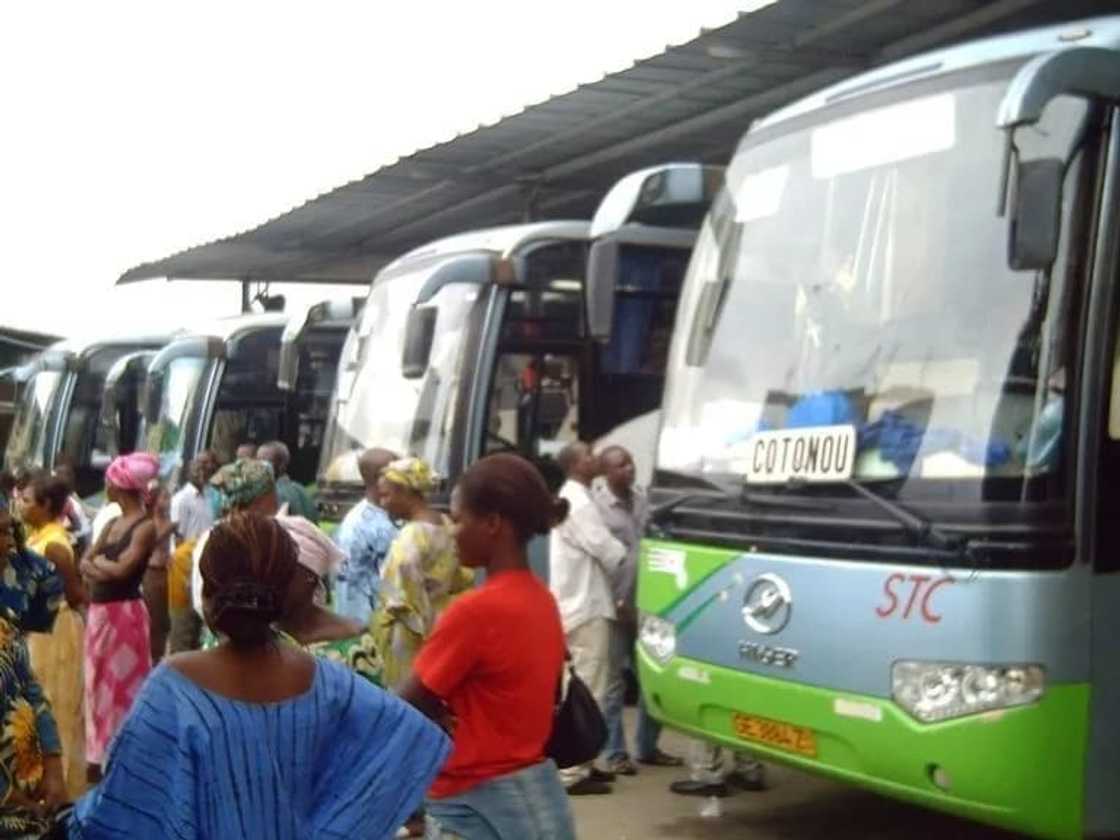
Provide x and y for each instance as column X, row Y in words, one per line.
column 487, row 342
column 883, row 547
column 60, row 412
column 220, row 386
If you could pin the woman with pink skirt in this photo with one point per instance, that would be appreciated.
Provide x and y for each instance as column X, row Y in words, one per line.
column 117, row 648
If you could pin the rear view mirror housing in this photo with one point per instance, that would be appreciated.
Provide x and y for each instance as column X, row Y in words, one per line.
column 420, row 331
column 341, row 311
column 1035, row 221
column 662, row 206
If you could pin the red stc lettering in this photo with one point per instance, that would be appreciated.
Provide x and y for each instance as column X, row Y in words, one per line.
column 921, row 596
column 885, row 610
column 927, row 614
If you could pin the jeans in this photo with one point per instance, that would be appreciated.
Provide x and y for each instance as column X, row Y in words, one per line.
column 649, row 730
column 528, row 804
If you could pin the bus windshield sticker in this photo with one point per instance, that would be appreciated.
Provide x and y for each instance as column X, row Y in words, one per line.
column 816, row 454
column 884, row 136
column 760, row 194
column 669, row 562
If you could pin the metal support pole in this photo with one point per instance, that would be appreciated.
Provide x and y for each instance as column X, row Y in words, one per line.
column 246, row 303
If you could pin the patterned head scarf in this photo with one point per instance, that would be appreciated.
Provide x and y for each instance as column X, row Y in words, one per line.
column 316, row 551
column 412, row 473
column 243, row 482
column 133, row 472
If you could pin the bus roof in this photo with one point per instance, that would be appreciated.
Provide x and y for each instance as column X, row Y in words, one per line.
column 231, row 327
column 81, row 347
column 502, row 241
column 1093, row 32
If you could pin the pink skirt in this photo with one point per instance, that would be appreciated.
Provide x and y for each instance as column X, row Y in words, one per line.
column 118, row 656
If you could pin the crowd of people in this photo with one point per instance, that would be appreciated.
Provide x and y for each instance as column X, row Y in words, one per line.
column 310, row 686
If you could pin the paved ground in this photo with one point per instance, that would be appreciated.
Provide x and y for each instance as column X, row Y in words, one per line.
column 795, row 806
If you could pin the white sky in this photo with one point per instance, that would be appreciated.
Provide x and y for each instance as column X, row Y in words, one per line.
column 132, row 130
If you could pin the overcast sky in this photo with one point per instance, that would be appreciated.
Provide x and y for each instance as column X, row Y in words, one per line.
column 132, row 130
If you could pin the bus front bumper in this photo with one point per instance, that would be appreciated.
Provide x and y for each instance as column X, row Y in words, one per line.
column 1020, row 768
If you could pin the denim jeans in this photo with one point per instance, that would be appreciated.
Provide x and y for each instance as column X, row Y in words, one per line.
column 529, row 804
column 649, row 730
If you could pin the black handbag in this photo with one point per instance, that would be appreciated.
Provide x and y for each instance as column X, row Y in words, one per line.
column 579, row 731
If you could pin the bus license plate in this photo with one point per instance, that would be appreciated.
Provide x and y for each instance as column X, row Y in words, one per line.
column 773, row 733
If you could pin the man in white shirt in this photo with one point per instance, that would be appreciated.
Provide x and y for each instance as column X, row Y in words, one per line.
column 583, row 555
column 190, row 509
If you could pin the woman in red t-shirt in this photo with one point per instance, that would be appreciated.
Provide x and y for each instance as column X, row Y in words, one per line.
column 492, row 665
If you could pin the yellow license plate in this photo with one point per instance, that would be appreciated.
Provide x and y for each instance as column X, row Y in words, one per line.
column 773, row 733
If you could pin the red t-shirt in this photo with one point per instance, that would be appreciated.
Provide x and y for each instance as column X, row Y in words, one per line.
column 495, row 657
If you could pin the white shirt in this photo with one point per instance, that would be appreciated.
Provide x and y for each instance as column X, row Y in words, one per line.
column 582, row 557
column 190, row 511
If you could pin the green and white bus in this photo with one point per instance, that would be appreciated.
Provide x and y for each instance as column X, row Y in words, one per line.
column 884, row 547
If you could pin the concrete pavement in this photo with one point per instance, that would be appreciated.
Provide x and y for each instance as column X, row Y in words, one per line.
column 795, row 806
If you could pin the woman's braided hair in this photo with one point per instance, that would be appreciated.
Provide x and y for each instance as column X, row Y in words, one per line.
column 247, row 568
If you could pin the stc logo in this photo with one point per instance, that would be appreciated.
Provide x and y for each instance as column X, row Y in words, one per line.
column 907, row 595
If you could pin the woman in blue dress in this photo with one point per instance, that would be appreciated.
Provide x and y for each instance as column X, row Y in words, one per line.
column 256, row 738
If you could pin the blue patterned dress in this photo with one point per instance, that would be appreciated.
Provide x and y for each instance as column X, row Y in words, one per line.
column 30, row 593
column 343, row 760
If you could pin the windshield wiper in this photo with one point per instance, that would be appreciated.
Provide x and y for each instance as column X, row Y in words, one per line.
column 922, row 529
column 736, row 493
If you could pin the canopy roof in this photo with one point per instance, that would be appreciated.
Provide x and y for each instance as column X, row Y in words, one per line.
column 556, row 159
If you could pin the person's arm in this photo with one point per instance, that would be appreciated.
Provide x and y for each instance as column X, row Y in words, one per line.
column 72, row 585
column 417, row 694
column 86, row 567
column 132, row 558
column 448, row 658
column 586, row 529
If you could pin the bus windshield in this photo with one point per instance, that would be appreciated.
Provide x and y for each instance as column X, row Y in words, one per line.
column 861, row 278
column 165, row 438
column 375, row 405
column 29, row 432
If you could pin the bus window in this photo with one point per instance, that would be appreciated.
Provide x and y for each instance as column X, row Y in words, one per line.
column 534, row 407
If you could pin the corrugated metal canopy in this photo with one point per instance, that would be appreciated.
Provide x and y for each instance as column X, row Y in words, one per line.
column 557, row 158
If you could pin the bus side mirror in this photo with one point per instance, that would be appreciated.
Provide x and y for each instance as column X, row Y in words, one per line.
column 602, row 281
column 418, row 335
column 1035, row 221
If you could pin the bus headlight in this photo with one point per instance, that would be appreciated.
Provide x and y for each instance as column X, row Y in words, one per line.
column 934, row 691
column 658, row 637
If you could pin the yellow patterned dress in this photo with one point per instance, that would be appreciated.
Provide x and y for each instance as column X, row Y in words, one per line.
column 56, row 659
column 421, row 577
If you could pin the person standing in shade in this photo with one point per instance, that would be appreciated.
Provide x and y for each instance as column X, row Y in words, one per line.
column 118, row 652
column 257, row 738
column 288, row 492
column 492, row 666
column 583, row 556
column 246, row 486
column 245, row 452
column 192, row 514
column 190, row 508
column 422, row 573
column 624, row 509
column 55, row 651
column 154, row 587
column 365, row 536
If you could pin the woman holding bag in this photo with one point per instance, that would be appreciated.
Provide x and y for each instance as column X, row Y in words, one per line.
column 497, row 648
